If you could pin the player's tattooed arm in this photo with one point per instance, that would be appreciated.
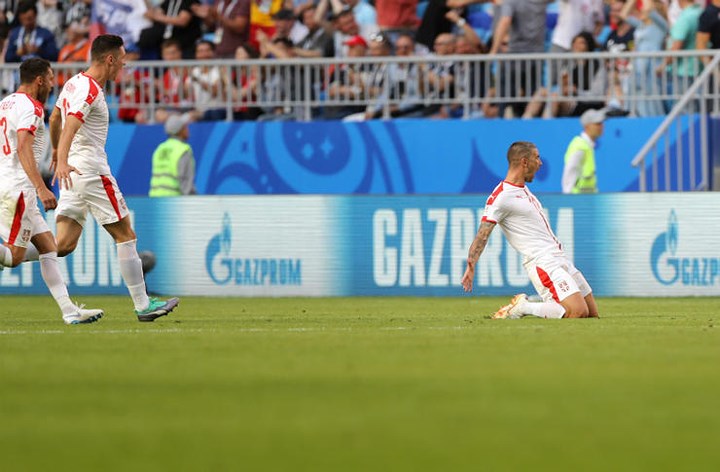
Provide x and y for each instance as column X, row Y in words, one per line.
column 481, row 239
column 476, row 249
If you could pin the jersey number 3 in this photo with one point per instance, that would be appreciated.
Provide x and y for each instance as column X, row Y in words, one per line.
column 6, row 146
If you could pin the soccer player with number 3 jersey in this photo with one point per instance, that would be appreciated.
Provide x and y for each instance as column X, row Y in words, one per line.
column 562, row 287
column 22, row 130
column 78, row 131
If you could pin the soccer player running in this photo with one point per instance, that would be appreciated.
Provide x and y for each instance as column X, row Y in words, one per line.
column 563, row 289
column 21, row 120
column 78, row 131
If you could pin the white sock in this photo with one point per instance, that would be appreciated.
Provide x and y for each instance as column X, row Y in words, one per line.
column 5, row 256
column 31, row 254
column 50, row 270
column 543, row 309
column 131, row 271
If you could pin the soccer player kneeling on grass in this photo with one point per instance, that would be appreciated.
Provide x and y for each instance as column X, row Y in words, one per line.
column 21, row 117
column 562, row 287
column 78, row 131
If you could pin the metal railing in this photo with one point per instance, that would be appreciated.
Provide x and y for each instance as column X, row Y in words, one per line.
column 690, row 153
column 462, row 86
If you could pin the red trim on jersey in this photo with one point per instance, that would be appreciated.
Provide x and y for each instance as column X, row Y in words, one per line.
column 514, row 185
column 110, row 191
column 17, row 220
column 30, row 130
column 495, row 193
column 39, row 109
column 547, row 283
column 94, row 89
column 78, row 115
column 485, row 218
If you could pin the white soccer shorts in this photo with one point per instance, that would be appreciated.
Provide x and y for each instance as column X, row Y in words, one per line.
column 20, row 217
column 98, row 194
column 557, row 279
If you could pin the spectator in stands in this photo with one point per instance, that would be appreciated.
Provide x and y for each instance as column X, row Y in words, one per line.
column 244, row 83
column 77, row 50
column 173, row 163
column 278, row 84
column 172, row 88
column 171, row 19
column 525, row 21
column 136, row 83
column 28, row 39
column 580, row 84
column 230, row 20
column 364, row 13
column 397, row 16
column 345, row 28
column 579, row 174
column 78, row 11
column 574, row 17
column 440, row 76
column 683, row 34
column 620, row 40
column 651, row 29
column 285, row 21
column 379, row 81
column 318, row 42
column 472, row 79
column 206, row 84
column 50, row 17
column 8, row 12
column 347, row 82
column 708, row 37
column 262, row 18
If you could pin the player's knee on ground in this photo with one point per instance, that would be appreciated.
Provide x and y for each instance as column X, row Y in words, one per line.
column 575, row 307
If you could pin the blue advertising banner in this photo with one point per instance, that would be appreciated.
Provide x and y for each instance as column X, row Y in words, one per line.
column 406, row 157
column 660, row 244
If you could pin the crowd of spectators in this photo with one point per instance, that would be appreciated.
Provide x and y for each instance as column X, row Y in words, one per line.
column 244, row 30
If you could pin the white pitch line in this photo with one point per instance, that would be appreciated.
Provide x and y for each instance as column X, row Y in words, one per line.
column 299, row 329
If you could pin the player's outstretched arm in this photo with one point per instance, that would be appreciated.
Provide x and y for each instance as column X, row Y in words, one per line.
column 62, row 168
column 476, row 248
column 27, row 161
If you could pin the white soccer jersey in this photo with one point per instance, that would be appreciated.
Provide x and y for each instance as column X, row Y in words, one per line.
column 83, row 98
column 522, row 220
column 18, row 111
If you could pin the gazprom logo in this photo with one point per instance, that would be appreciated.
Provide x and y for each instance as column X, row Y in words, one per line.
column 670, row 268
column 225, row 269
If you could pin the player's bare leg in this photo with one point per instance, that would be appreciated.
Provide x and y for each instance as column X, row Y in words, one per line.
column 68, row 233
column 575, row 306
column 50, row 271
column 147, row 309
column 592, row 306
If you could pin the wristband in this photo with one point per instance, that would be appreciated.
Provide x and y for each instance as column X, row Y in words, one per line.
column 461, row 22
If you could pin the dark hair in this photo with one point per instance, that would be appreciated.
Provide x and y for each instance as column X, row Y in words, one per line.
column 518, row 150
column 105, row 44
column 284, row 41
column 205, row 41
column 589, row 40
column 33, row 68
column 250, row 50
column 170, row 42
column 25, row 6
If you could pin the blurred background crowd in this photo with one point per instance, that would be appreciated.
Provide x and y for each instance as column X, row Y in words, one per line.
column 240, row 32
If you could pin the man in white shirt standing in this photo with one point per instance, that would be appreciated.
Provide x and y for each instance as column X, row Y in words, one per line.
column 579, row 173
column 562, row 287
column 78, row 131
column 21, row 118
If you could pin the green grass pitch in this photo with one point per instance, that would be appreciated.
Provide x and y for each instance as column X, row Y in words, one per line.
column 366, row 384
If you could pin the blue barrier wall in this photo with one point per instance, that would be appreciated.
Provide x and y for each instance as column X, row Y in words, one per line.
column 660, row 244
column 378, row 157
